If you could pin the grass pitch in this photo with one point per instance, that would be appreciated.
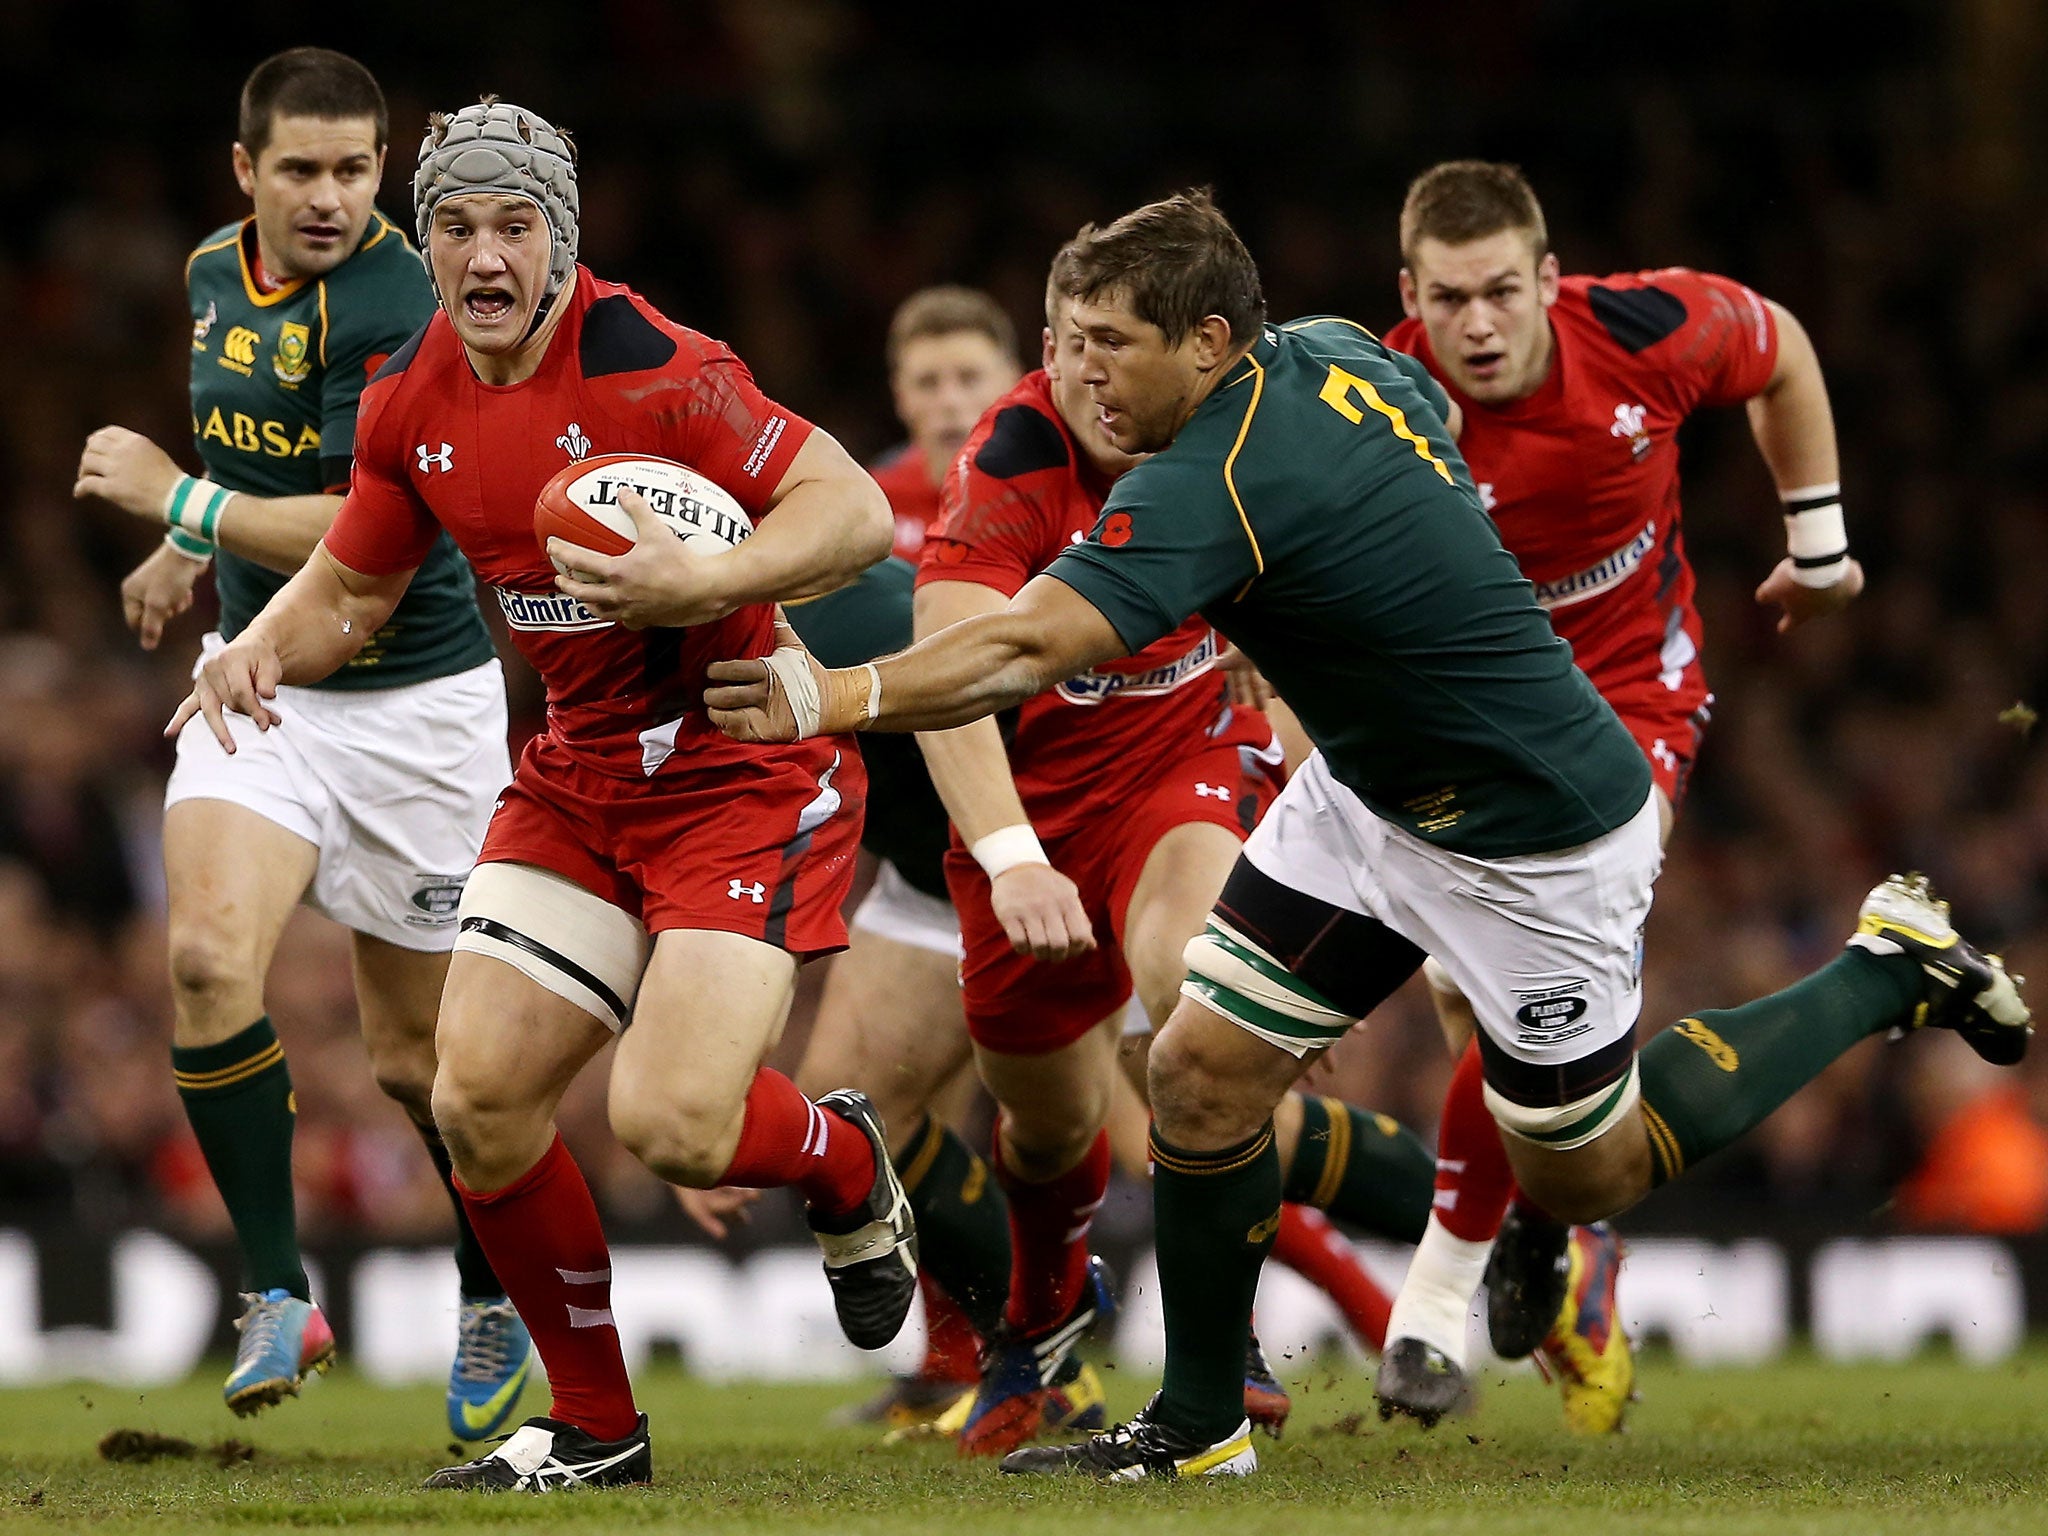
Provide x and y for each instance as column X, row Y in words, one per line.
column 1801, row 1447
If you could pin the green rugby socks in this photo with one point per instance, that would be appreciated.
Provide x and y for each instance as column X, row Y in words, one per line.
column 963, row 1222
column 1363, row 1168
column 1215, row 1215
column 1708, row 1079
column 238, row 1096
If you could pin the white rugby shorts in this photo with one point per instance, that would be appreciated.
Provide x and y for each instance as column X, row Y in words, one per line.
column 1546, row 946
column 895, row 909
column 394, row 786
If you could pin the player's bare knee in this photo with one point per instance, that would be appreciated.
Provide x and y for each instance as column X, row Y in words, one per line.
column 1195, row 1099
column 684, row 1143
column 210, row 971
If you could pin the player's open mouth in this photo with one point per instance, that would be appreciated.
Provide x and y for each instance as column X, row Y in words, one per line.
column 321, row 234
column 486, row 305
column 1484, row 364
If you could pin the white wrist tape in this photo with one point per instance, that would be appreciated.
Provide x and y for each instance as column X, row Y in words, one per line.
column 195, row 550
column 874, row 709
column 194, row 506
column 790, row 665
column 1006, row 848
column 1815, row 534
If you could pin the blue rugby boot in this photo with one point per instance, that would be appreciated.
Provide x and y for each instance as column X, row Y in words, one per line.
column 493, row 1358
column 282, row 1338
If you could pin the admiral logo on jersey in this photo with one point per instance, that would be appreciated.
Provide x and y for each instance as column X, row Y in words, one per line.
column 553, row 612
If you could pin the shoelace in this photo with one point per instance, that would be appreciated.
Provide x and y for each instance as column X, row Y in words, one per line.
column 259, row 1323
column 483, row 1342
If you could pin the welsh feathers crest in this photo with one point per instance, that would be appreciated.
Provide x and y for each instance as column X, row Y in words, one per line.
column 574, row 443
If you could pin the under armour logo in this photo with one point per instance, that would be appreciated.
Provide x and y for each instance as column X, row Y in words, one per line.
column 1486, row 497
column 1212, row 791
column 443, row 461
column 1660, row 749
column 739, row 891
column 1628, row 421
column 573, row 442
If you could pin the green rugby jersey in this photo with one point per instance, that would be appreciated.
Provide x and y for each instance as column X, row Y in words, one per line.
column 1315, row 511
column 275, row 380
column 906, row 821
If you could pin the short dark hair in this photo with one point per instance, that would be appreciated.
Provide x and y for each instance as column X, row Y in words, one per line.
column 307, row 82
column 1176, row 261
column 1460, row 201
column 944, row 311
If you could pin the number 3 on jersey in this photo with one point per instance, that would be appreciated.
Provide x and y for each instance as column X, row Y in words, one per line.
column 1336, row 394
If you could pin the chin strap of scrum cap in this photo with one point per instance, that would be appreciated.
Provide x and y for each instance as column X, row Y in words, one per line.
column 496, row 147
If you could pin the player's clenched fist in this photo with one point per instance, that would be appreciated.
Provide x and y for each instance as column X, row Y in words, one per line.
column 1041, row 912
column 1783, row 589
column 242, row 677
column 787, row 696
column 126, row 469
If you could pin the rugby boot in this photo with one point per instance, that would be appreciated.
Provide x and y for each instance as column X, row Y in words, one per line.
column 1075, row 1404
column 872, row 1267
column 1968, row 992
column 1421, row 1381
column 282, row 1338
column 1525, row 1281
column 1266, row 1403
column 545, row 1454
column 1143, row 1448
column 1587, row 1354
column 1014, row 1401
column 493, row 1358
column 904, row 1405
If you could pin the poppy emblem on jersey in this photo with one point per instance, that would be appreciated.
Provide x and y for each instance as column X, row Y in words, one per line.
column 574, row 443
column 443, row 460
column 1116, row 532
column 294, row 361
column 204, row 324
column 1628, row 423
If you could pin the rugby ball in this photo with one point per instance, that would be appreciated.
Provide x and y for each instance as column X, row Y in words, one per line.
column 581, row 504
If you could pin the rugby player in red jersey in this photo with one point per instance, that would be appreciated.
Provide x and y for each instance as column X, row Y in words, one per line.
column 1573, row 390
column 1091, row 837
column 640, row 864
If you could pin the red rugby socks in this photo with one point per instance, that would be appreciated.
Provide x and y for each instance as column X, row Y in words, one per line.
column 1049, row 1225
column 542, row 1235
column 786, row 1139
column 1473, row 1180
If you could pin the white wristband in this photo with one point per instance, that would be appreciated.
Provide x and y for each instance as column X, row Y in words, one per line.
column 193, row 506
column 196, row 550
column 1815, row 535
column 1006, row 848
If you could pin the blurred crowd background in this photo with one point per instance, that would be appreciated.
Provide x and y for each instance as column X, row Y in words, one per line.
column 781, row 173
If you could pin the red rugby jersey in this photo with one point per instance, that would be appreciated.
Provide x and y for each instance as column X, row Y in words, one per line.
column 913, row 498
column 1020, row 493
column 436, row 448
column 1582, row 476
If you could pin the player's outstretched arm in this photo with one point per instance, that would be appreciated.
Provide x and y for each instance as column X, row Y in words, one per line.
column 1794, row 429
column 317, row 621
column 1049, row 632
column 1040, row 908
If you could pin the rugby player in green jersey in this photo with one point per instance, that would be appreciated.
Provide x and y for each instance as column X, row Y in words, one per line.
column 1472, row 797
column 369, row 806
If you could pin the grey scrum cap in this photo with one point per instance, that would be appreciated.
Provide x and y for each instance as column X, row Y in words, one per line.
column 495, row 146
